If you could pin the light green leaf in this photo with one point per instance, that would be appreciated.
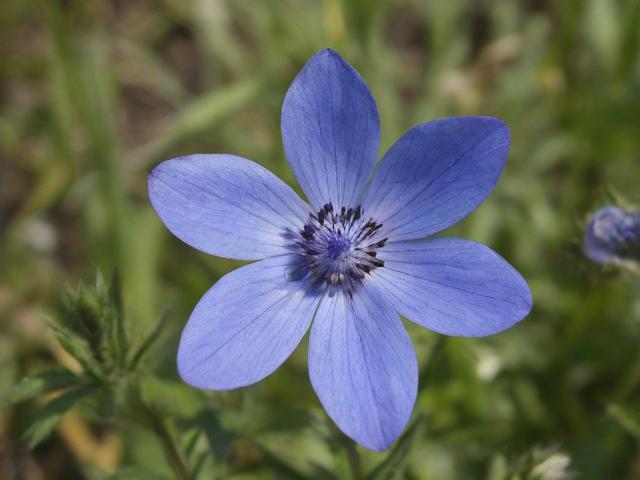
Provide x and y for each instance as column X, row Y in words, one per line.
column 43, row 382
column 150, row 340
column 202, row 114
column 49, row 417
column 627, row 419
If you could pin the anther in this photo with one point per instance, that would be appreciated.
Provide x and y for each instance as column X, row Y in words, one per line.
column 339, row 249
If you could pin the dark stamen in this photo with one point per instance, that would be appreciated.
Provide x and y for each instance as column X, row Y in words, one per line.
column 338, row 249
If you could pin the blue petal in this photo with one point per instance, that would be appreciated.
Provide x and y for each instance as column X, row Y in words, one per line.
column 363, row 367
column 245, row 326
column 453, row 286
column 330, row 130
column 226, row 205
column 436, row 174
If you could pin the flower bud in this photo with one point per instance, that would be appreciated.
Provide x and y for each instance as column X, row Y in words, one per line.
column 613, row 235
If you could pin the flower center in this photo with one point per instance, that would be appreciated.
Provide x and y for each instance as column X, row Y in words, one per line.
column 337, row 249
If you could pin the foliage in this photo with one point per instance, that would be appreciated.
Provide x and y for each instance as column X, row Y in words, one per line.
column 93, row 94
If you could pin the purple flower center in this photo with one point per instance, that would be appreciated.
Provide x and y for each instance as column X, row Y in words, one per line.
column 338, row 249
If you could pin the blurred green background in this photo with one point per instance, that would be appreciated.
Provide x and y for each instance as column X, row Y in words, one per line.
column 93, row 94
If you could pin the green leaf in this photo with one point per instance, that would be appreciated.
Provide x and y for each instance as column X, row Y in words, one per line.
column 219, row 439
column 51, row 415
column 393, row 465
column 76, row 347
column 202, row 114
column 43, row 382
column 120, row 338
column 136, row 473
column 498, row 468
column 626, row 418
column 150, row 340
column 282, row 468
column 172, row 399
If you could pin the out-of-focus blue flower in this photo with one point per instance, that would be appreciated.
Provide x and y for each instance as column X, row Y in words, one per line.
column 613, row 235
column 351, row 261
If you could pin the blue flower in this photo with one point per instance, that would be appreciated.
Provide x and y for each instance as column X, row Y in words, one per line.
column 613, row 236
column 351, row 260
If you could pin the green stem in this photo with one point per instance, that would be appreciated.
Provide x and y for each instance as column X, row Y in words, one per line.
column 158, row 425
column 171, row 449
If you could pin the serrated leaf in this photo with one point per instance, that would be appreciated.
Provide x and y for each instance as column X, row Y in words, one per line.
column 49, row 417
column 43, row 382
